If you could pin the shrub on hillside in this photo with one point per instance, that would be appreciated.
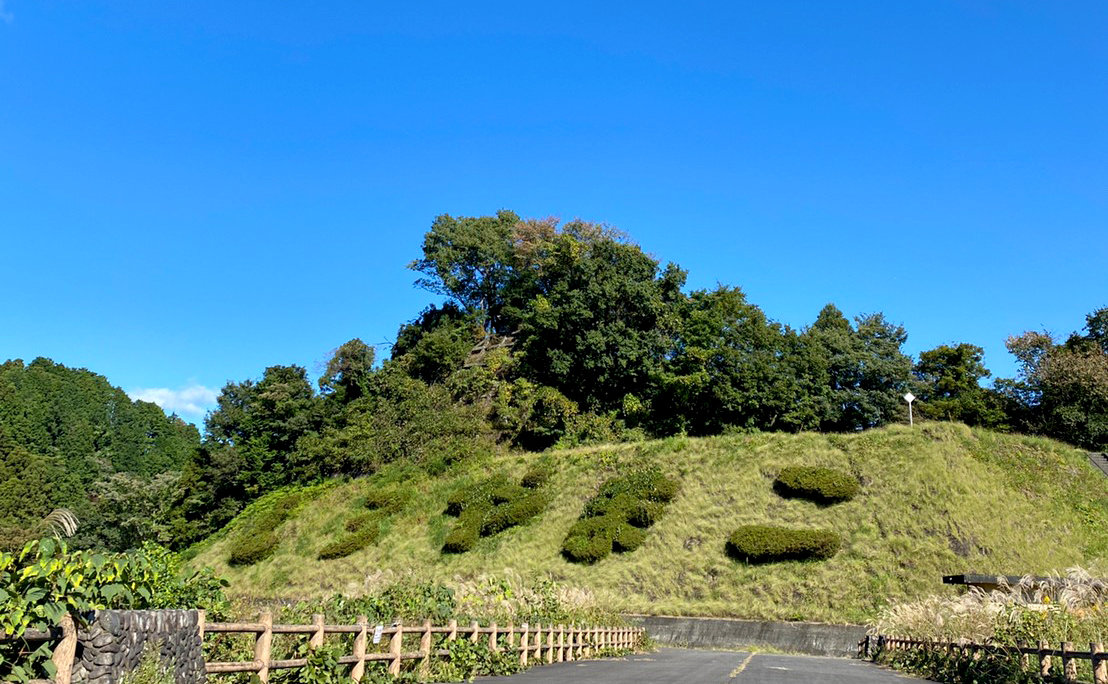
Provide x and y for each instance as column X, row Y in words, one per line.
column 535, row 477
column 256, row 540
column 615, row 518
column 768, row 544
column 487, row 508
column 822, row 485
column 359, row 521
column 351, row 542
column 247, row 550
column 386, row 500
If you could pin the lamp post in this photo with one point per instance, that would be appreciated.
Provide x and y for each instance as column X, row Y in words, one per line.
column 910, row 398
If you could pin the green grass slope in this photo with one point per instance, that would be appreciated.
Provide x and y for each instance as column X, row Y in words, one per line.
column 935, row 499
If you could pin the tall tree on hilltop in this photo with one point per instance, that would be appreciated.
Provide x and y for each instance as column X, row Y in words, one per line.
column 469, row 259
column 348, row 372
column 867, row 373
column 727, row 368
column 597, row 328
column 1063, row 388
column 949, row 386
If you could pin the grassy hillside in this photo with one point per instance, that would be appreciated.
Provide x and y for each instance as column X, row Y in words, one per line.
column 935, row 499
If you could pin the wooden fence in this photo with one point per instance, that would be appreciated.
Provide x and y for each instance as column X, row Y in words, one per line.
column 1067, row 655
column 537, row 643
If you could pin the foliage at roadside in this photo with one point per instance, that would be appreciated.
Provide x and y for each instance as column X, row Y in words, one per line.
column 47, row 580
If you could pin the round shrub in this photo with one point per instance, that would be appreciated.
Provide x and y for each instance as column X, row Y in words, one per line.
column 358, row 521
column 768, row 544
column 505, row 493
column 590, row 539
column 628, row 538
column 386, row 500
column 249, row 549
column 822, row 485
column 645, row 513
column 350, row 543
column 461, row 538
column 535, row 477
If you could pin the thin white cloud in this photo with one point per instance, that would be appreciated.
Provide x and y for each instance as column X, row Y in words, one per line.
column 5, row 16
column 192, row 401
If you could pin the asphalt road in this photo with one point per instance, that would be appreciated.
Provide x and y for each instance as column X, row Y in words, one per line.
column 708, row 667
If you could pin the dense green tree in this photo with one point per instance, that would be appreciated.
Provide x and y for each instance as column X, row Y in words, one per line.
column 469, row 259
column 728, row 368
column 63, row 430
column 866, row 371
column 949, row 386
column 348, row 371
column 603, row 311
column 1062, row 389
column 437, row 343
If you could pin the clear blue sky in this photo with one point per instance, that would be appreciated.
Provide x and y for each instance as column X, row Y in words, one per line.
column 190, row 192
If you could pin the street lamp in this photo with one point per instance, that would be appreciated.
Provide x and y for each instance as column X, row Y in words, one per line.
column 910, row 398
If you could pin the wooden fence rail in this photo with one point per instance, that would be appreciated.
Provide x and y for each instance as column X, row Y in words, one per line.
column 1067, row 655
column 538, row 643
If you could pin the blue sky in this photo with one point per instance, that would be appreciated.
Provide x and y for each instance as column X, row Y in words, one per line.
column 190, row 192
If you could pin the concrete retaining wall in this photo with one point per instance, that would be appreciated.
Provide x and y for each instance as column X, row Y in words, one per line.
column 796, row 637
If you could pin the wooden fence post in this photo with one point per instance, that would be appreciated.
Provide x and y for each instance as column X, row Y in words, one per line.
column 550, row 644
column 317, row 636
column 1044, row 660
column 474, row 631
column 263, row 644
column 511, row 636
column 561, row 643
column 395, row 648
column 1069, row 663
column 425, row 645
column 66, row 651
column 201, row 622
column 452, row 634
column 358, row 671
column 1100, row 663
column 492, row 638
column 524, row 646
column 537, row 655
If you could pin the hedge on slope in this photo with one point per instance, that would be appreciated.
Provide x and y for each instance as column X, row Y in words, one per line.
column 490, row 507
column 822, row 485
column 756, row 544
column 256, row 540
column 615, row 519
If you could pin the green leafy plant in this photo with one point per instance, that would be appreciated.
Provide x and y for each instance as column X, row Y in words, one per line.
column 769, row 544
column 256, row 541
column 488, row 508
column 46, row 581
column 151, row 668
column 822, row 485
column 615, row 519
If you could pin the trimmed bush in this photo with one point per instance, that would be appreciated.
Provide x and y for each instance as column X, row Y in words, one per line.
column 767, row 544
column 488, row 508
column 535, row 477
column 822, row 485
column 461, row 538
column 359, row 521
column 628, row 538
column 250, row 549
column 386, row 500
column 255, row 540
column 349, row 543
column 615, row 518
column 590, row 539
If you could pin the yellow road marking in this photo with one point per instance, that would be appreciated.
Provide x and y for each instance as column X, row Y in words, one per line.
column 742, row 666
